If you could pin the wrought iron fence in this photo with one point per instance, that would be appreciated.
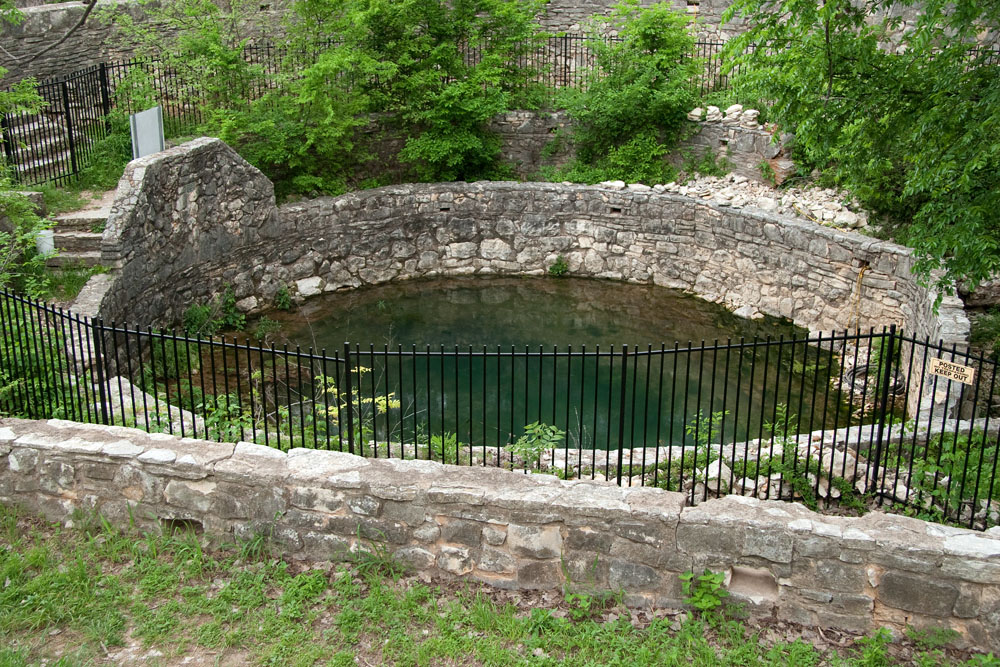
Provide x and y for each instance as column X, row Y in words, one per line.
column 54, row 145
column 821, row 419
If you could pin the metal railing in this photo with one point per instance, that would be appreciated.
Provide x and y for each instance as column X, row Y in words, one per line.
column 54, row 145
column 820, row 419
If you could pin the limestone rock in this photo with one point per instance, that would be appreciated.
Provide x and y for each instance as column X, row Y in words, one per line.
column 308, row 287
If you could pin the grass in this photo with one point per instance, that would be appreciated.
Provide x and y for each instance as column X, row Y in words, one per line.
column 64, row 284
column 79, row 596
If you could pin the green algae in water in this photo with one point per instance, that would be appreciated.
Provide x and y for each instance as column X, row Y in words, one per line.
column 482, row 357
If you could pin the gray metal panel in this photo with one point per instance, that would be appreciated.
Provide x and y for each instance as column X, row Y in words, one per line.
column 147, row 132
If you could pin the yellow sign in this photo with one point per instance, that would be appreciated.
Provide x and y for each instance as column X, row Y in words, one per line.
column 951, row 371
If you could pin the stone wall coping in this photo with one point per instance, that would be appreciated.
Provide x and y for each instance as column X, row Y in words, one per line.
column 394, row 478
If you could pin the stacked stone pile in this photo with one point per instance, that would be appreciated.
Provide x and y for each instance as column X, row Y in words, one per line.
column 833, row 208
column 821, row 205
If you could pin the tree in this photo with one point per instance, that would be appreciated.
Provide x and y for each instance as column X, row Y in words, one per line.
column 19, row 223
column 907, row 120
column 636, row 99
column 438, row 71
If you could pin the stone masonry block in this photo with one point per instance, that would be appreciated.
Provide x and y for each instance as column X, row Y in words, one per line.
column 584, row 538
column 539, row 574
column 709, row 539
column 917, row 594
column 196, row 496
column 460, row 531
column 535, row 541
column 773, row 544
column 627, row 576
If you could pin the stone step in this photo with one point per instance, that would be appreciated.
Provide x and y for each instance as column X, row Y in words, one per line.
column 85, row 220
column 47, row 140
column 77, row 241
column 70, row 259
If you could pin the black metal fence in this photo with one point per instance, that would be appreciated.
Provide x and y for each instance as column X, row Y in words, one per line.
column 57, row 143
column 820, row 419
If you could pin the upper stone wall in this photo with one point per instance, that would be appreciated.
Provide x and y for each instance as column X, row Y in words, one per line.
column 94, row 42
column 512, row 530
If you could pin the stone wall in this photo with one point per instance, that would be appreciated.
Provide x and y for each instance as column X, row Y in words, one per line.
column 572, row 15
column 92, row 43
column 190, row 220
column 531, row 140
column 197, row 216
column 513, row 530
column 184, row 222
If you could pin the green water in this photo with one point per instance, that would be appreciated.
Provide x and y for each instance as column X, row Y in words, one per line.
column 482, row 357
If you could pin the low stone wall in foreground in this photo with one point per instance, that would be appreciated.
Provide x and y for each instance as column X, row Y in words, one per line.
column 512, row 530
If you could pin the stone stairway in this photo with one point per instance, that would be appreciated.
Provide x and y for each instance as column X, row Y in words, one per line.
column 78, row 235
column 41, row 146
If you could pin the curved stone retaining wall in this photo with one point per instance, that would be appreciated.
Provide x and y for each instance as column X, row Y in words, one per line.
column 517, row 531
column 190, row 220
column 197, row 216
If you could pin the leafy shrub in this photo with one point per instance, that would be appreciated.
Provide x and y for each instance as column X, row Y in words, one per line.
column 704, row 592
column 635, row 105
column 538, row 438
column 559, row 268
column 909, row 131
column 283, row 299
column 208, row 319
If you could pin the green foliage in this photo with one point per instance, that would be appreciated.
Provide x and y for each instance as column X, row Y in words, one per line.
column 986, row 332
column 702, row 427
column 706, row 163
column 704, row 592
column 65, row 283
column 208, row 319
column 108, row 156
column 265, row 328
column 538, row 438
column 559, row 268
column 952, row 469
column 929, row 639
column 785, row 424
column 21, row 267
column 204, row 53
column 302, row 134
column 910, row 132
column 444, row 448
column 635, row 104
column 19, row 221
column 168, row 359
column 283, row 299
column 29, row 387
column 225, row 418
column 58, row 199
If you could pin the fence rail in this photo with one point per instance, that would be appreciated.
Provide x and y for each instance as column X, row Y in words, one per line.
column 819, row 419
column 54, row 145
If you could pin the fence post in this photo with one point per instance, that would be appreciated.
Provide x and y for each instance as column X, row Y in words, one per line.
column 350, row 399
column 105, row 95
column 621, row 411
column 885, row 374
column 69, row 126
column 96, row 333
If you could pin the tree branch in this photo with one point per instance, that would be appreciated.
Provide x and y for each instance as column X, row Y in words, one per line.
column 79, row 24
